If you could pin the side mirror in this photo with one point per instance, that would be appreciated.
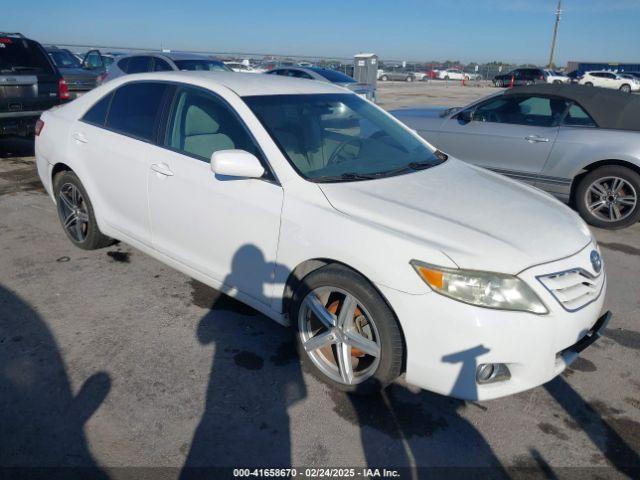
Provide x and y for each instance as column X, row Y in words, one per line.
column 236, row 163
column 465, row 116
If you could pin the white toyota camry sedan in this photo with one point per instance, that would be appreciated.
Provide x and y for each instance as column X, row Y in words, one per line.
column 325, row 213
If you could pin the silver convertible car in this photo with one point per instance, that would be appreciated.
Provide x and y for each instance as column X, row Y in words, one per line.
column 581, row 144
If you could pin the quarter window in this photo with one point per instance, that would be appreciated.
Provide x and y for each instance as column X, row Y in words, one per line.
column 159, row 65
column 97, row 114
column 138, row 64
column 201, row 124
column 577, row 117
column 134, row 109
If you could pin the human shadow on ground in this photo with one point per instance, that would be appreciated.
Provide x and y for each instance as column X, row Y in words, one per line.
column 41, row 420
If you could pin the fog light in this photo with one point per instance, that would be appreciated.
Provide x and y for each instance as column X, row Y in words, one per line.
column 492, row 372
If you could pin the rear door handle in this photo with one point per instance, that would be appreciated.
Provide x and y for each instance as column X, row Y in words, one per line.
column 162, row 169
column 536, row 139
column 79, row 137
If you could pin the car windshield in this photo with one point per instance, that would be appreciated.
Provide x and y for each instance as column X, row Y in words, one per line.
column 207, row 65
column 19, row 55
column 334, row 76
column 64, row 59
column 340, row 137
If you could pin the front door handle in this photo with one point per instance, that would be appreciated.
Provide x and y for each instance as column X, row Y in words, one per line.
column 162, row 169
column 536, row 139
column 79, row 137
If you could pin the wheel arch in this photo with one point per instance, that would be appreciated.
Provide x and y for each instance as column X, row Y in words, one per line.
column 308, row 266
column 593, row 166
column 58, row 168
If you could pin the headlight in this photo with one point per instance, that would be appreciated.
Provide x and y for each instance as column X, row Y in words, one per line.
column 484, row 289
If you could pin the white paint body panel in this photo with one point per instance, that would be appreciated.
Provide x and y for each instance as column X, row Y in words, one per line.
column 246, row 236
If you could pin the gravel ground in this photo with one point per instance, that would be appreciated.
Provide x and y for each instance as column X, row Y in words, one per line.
column 109, row 359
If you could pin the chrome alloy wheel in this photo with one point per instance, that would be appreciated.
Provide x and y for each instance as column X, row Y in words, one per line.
column 611, row 199
column 73, row 212
column 339, row 335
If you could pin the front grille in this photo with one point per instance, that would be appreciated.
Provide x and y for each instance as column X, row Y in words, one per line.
column 573, row 289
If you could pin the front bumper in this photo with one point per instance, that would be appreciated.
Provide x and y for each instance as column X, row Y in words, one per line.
column 447, row 340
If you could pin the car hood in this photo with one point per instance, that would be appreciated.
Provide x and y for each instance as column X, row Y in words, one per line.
column 481, row 220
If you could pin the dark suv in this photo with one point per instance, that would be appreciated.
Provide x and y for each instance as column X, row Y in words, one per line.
column 520, row 76
column 29, row 84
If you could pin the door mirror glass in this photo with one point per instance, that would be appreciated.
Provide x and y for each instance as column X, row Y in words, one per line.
column 236, row 163
column 465, row 116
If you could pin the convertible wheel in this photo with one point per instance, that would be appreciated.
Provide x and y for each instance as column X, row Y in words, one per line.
column 409, row 79
column 384, row 78
column 346, row 331
column 608, row 197
column 76, row 213
column 625, row 88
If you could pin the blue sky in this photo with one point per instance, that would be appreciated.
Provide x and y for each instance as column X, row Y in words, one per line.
column 469, row 30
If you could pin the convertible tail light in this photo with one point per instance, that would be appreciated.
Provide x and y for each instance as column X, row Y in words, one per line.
column 101, row 78
column 63, row 90
column 39, row 127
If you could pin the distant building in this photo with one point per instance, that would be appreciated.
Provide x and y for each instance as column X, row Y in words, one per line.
column 582, row 67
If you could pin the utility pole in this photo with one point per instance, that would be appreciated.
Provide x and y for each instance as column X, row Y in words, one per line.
column 555, row 33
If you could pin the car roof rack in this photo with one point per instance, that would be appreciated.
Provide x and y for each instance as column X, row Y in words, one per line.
column 12, row 34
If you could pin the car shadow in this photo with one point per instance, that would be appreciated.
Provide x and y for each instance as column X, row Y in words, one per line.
column 256, row 377
column 13, row 147
column 41, row 420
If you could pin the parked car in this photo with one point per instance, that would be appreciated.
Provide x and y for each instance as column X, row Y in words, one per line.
column 79, row 80
column 244, row 68
column 457, row 74
column 325, row 75
column 575, row 76
column 610, row 80
column 553, row 76
column 520, row 76
column 99, row 62
column 285, row 193
column 29, row 84
column 162, row 62
column 398, row 75
column 580, row 145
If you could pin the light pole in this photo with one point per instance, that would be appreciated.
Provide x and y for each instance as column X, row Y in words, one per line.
column 555, row 33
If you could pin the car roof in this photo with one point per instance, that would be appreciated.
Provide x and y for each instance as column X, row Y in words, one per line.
column 243, row 84
column 609, row 108
column 171, row 56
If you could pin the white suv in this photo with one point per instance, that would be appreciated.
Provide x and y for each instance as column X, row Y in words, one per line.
column 610, row 80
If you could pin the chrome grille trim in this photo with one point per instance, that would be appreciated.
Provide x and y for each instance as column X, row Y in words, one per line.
column 573, row 289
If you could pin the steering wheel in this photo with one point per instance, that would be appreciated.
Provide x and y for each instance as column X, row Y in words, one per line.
column 333, row 159
column 490, row 116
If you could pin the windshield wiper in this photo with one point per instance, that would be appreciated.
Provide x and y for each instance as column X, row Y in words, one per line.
column 18, row 68
column 346, row 177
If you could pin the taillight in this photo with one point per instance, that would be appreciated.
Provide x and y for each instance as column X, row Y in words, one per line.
column 63, row 90
column 541, row 77
column 39, row 127
column 101, row 78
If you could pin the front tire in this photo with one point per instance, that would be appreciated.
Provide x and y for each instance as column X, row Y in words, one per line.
column 588, row 84
column 384, row 78
column 76, row 213
column 625, row 88
column 345, row 331
column 409, row 79
column 609, row 197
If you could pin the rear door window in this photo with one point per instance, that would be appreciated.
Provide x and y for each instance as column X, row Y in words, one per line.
column 134, row 109
column 22, row 56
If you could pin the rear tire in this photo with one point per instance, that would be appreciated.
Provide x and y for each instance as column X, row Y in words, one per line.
column 371, row 319
column 76, row 214
column 409, row 79
column 588, row 84
column 609, row 192
column 384, row 78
